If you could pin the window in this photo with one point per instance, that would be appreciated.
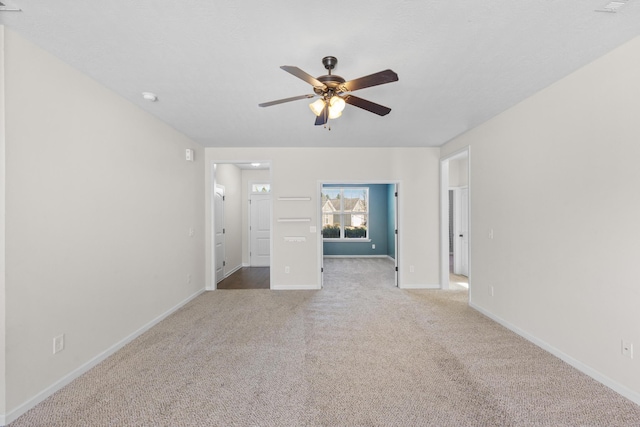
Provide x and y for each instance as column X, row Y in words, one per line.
column 262, row 187
column 345, row 212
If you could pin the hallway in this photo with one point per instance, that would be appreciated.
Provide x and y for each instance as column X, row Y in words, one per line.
column 247, row 278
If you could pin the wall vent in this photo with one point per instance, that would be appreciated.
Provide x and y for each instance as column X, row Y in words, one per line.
column 613, row 6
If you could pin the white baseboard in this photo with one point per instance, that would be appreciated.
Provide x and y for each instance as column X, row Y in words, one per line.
column 418, row 286
column 232, row 271
column 613, row 385
column 17, row 412
column 295, row 287
column 357, row 256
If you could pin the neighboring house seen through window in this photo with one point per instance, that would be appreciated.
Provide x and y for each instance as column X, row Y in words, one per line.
column 260, row 187
column 345, row 212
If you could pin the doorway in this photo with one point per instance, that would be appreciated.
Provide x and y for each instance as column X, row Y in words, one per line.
column 236, row 248
column 359, row 220
column 455, row 223
column 218, row 227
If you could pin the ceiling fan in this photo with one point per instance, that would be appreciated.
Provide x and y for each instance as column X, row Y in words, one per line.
column 333, row 89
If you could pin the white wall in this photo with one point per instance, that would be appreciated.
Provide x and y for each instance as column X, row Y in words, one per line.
column 2, row 233
column 99, row 201
column 556, row 177
column 230, row 176
column 458, row 172
column 296, row 173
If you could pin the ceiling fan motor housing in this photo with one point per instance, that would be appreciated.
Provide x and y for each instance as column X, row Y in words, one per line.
column 331, row 81
column 329, row 62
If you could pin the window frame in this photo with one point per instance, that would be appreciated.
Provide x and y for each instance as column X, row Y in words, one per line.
column 342, row 214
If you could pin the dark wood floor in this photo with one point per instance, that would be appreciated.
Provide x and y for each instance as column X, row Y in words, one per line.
column 247, row 278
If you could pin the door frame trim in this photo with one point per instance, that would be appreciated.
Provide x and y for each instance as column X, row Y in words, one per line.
column 444, row 215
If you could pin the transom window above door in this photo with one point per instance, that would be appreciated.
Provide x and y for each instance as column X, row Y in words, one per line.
column 345, row 213
column 260, row 187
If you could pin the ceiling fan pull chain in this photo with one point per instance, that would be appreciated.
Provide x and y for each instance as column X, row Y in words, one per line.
column 326, row 114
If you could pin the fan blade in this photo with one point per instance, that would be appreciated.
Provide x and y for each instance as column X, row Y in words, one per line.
column 282, row 101
column 380, row 78
column 378, row 109
column 304, row 76
column 323, row 117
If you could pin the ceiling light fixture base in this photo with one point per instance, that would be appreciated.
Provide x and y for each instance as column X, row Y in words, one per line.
column 329, row 62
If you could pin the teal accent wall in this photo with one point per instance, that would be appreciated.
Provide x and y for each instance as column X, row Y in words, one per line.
column 378, row 224
column 391, row 221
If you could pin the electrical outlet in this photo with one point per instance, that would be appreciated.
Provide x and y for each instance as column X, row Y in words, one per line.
column 373, row 246
column 58, row 344
column 412, row 269
column 627, row 349
column 191, row 232
column 490, row 291
column 491, row 233
column 287, row 270
column 188, row 278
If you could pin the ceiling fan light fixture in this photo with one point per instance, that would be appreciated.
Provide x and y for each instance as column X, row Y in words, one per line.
column 317, row 106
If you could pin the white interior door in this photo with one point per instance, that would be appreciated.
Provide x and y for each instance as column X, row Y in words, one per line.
column 461, row 231
column 218, row 226
column 464, row 231
column 260, row 230
column 395, row 232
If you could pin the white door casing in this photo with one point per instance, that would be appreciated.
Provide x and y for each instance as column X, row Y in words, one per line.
column 260, row 230
column 218, row 225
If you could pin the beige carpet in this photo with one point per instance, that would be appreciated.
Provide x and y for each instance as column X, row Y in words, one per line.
column 360, row 352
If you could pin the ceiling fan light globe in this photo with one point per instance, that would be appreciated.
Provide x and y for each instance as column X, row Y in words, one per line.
column 333, row 114
column 317, row 106
column 336, row 103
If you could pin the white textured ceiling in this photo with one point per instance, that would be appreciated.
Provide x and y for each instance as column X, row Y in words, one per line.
column 459, row 62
